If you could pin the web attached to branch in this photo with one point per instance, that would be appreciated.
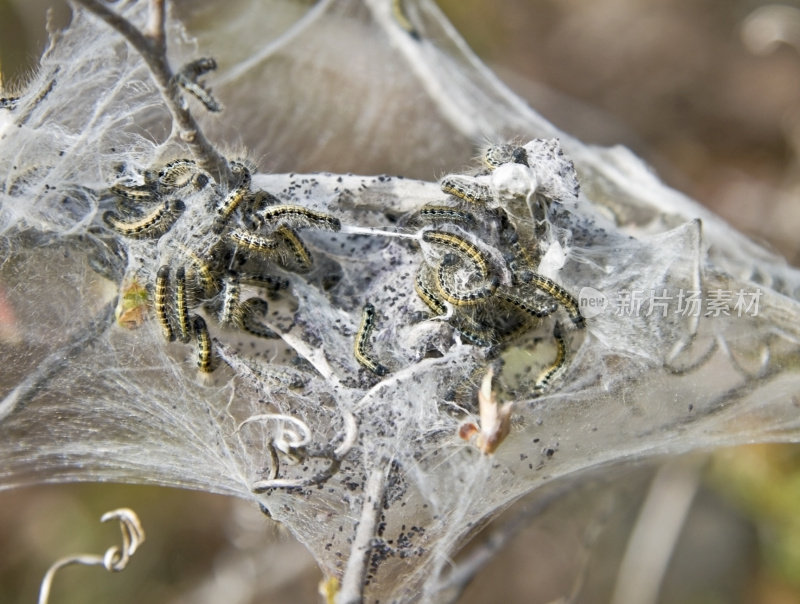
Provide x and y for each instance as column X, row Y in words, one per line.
column 401, row 359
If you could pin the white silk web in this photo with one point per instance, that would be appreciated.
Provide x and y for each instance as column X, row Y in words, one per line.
column 381, row 476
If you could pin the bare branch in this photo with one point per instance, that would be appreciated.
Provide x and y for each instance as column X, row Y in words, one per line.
column 152, row 47
column 57, row 361
column 115, row 558
column 454, row 584
column 156, row 25
column 656, row 532
column 352, row 589
column 263, row 486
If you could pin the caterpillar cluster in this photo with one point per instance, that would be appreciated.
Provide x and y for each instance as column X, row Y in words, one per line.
column 459, row 281
column 250, row 230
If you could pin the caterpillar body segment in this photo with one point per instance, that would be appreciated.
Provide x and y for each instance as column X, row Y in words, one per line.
column 153, row 224
column 362, row 350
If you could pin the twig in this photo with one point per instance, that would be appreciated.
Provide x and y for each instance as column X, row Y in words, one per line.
column 152, row 46
column 656, row 532
column 350, row 434
column 57, row 361
column 262, row 486
column 155, row 25
column 315, row 356
column 352, row 590
column 453, row 110
column 349, row 439
column 287, row 438
column 461, row 576
column 259, row 56
column 114, row 560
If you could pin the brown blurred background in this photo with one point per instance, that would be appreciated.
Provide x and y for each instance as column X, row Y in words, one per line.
column 719, row 118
